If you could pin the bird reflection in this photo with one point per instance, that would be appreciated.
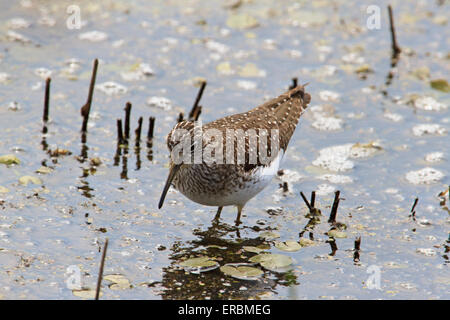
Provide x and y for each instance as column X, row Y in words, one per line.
column 224, row 242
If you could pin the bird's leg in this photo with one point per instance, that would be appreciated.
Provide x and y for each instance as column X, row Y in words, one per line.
column 238, row 218
column 217, row 217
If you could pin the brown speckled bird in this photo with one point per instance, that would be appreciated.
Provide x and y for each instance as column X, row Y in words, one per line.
column 221, row 183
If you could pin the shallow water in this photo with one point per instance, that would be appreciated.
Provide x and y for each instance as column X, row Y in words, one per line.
column 44, row 229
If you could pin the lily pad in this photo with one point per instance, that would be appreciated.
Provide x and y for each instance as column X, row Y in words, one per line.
column 241, row 271
column 337, row 234
column 44, row 170
column 269, row 235
column 242, row 21
column 257, row 249
column 440, row 84
column 306, row 242
column 85, row 294
column 272, row 261
column 25, row 180
column 118, row 281
column 9, row 159
column 289, row 246
column 199, row 264
column 224, row 68
column 421, row 73
column 251, row 70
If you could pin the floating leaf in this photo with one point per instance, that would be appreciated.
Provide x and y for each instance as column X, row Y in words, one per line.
column 59, row 152
column 269, row 235
column 289, row 246
column 251, row 70
column 242, row 21
column 337, row 234
column 96, row 161
column 257, row 249
column 421, row 73
column 118, row 281
column 272, row 261
column 440, row 84
column 306, row 242
column 199, row 265
column 3, row 189
column 44, row 170
column 224, row 68
column 9, row 159
column 85, row 294
column 241, row 271
column 362, row 150
column 365, row 68
column 25, row 180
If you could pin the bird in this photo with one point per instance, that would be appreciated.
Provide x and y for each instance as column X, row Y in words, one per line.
column 215, row 182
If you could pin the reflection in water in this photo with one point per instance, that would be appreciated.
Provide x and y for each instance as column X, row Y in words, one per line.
column 85, row 188
column 137, row 152
column 224, row 242
column 124, row 173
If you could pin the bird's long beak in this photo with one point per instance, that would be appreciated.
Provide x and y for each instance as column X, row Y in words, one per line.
column 173, row 171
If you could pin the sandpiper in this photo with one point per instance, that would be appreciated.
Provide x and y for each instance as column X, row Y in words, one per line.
column 213, row 182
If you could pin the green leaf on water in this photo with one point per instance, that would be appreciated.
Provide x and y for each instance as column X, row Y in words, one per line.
column 85, row 294
column 25, row 180
column 272, row 261
column 9, row 159
column 44, row 170
column 269, row 235
column 421, row 73
column 258, row 249
column 199, row 264
column 242, row 21
column 440, row 84
column 118, row 281
column 337, row 234
column 241, row 271
column 306, row 242
column 251, row 70
column 289, row 246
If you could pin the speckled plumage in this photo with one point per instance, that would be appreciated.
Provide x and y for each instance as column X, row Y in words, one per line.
column 221, row 185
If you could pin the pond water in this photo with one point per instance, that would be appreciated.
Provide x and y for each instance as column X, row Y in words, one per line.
column 386, row 121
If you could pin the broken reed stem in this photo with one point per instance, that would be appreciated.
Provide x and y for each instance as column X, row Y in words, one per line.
column 86, row 109
column 100, row 272
column 180, row 117
column 127, row 120
column 294, row 83
column 413, row 211
column 306, row 201
column 357, row 244
column 395, row 48
column 334, row 208
column 46, row 104
column 197, row 100
column 138, row 132
column 197, row 112
column 356, row 250
column 151, row 127
column 313, row 199
column 119, row 132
